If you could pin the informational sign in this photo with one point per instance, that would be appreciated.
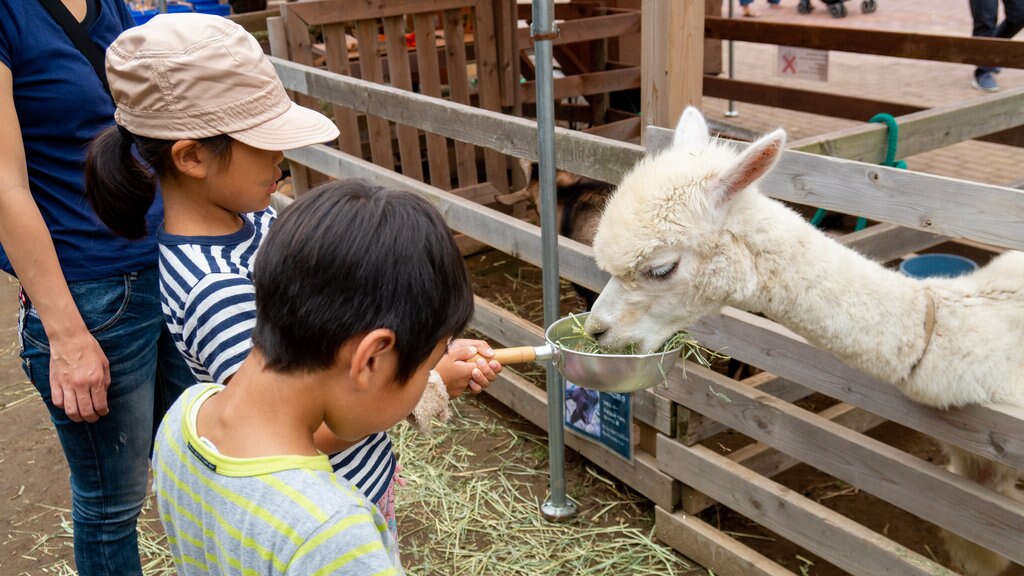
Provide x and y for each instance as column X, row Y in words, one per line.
column 605, row 417
column 803, row 63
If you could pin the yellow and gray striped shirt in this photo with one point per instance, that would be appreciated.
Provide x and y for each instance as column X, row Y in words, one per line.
column 260, row 516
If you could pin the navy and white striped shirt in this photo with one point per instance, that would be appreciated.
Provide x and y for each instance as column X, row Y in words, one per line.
column 209, row 305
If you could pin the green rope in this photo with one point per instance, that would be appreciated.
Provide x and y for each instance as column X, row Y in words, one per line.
column 890, row 161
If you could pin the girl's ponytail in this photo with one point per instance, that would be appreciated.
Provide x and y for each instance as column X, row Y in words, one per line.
column 118, row 186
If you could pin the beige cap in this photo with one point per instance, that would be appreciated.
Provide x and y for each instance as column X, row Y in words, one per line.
column 190, row 76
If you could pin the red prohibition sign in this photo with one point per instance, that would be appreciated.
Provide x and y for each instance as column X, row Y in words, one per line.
column 789, row 64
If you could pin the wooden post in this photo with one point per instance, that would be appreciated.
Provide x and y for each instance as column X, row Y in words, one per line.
column 673, row 59
column 277, row 35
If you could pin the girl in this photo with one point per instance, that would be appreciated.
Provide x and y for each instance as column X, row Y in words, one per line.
column 204, row 109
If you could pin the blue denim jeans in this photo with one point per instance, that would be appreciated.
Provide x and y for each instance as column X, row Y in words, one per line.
column 986, row 12
column 109, row 459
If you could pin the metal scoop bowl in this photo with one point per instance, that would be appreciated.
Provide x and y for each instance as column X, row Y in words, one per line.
column 601, row 372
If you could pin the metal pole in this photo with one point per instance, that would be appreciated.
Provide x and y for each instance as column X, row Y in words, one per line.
column 558, row 507
column 161, row 5
column 732, row 111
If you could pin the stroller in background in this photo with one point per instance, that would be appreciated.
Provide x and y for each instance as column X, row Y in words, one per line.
column 836, row 7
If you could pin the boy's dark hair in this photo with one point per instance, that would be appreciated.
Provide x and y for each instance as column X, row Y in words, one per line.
column 120, row 188
column 350, row 257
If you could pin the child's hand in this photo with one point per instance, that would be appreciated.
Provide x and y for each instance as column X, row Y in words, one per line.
column 459, row 374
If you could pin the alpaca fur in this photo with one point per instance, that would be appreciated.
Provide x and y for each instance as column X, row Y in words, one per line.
column 687, row 232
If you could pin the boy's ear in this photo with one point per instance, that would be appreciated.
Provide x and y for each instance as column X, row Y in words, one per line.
column 368, row 362
column 189, row 159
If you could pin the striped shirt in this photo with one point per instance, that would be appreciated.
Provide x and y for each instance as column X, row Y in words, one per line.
column 209, row 304
column 260, row 516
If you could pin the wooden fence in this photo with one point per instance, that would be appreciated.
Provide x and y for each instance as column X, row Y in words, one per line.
column 671, row 468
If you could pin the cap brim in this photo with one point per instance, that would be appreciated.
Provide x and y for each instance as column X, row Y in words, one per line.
column 297, row 127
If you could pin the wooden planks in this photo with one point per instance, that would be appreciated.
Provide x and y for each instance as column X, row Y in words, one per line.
column 485, row 41
column 828, row 104
column 316, row 12
column 401, row 77
column 598, row 158
column 931, row 203
column 923, row 131
column 643, row 475
column 501, row 231
column 712, row 549
column 585, row 84
column 814, row 102
column 694, row 427
column 964, row 50
column 671, row 74
column 458, row 82
column 993, row 431
column 430, row 85
column 966, row 508
column 586, row 29
column 370, row 67
column 834, row 537
column 761, row 457
column 255, row 21
column 885, row 242
column 990, row 214
column 336, row 45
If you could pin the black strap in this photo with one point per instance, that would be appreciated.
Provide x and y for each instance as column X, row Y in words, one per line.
column 77, row 33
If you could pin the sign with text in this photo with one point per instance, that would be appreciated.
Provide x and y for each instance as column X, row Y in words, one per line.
column 606, row 417
column 802, row 63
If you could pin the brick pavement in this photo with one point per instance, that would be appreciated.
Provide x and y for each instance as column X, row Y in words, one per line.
column 916, row 82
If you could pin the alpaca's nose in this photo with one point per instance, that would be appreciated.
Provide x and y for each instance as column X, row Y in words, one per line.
column 595, row 327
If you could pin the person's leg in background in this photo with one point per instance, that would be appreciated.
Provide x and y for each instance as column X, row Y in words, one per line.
column 108, row 459
column 984, row 14
column 1014, row 21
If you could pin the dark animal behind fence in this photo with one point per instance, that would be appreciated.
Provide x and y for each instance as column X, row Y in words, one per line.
column 580, row 203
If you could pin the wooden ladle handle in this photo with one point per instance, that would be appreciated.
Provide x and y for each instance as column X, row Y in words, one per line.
column 517, row 355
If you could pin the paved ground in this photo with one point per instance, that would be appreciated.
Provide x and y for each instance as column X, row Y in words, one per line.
column 914, row 82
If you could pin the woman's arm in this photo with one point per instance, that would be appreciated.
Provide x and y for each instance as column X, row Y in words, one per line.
column 79, row 372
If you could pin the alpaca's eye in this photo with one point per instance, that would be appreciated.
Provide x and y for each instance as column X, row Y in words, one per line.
column 661, row 272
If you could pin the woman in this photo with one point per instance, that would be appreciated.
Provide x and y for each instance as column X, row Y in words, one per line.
column 90, row 324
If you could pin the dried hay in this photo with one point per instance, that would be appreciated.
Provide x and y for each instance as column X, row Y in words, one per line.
column 463, row 513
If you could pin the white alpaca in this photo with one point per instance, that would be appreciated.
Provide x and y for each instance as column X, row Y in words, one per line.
column 687, row 232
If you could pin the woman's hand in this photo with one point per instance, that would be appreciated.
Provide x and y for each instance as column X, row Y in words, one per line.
column 79, row 375
column 459, row 373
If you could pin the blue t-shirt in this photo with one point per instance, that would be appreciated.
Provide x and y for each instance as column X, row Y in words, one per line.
column 61, row 106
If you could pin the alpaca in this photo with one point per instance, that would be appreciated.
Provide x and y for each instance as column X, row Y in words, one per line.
column 579, row 203
column 687, row 232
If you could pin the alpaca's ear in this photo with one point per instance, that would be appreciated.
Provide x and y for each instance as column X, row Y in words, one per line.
column 754, row 163
column 692, row 130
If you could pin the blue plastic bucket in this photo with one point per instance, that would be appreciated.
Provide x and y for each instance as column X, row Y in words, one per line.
column 215, row 9
column 178, row 8
column 937, row 266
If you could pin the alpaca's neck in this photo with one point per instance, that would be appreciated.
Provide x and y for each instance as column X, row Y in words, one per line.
column 870, row 317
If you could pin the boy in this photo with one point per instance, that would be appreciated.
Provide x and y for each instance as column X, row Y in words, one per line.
column 358, row 291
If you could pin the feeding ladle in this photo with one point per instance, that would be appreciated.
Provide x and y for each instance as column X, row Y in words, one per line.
column 602, row 372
